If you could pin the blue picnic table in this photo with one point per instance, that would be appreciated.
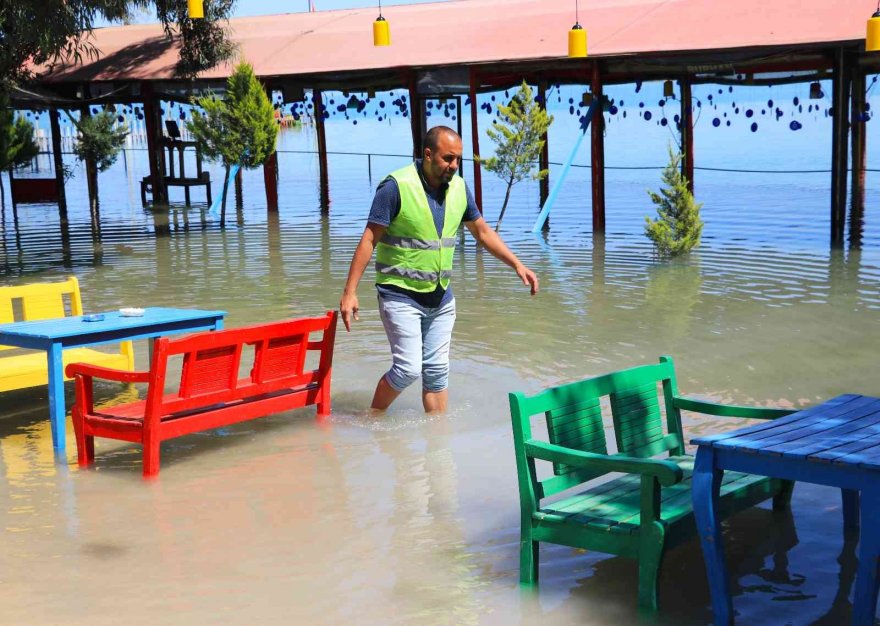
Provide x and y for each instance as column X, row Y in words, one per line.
column 54, row 335
column 836, row 443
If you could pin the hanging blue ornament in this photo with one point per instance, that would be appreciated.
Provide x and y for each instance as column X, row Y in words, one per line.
column 663, row 122
column 648, row 115
column 754, row 126
column 795, row 125
column 716, row 122
column 613, row 109
column 749, row 113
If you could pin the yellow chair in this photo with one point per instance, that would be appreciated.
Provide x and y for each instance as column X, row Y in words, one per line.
column 40, row 301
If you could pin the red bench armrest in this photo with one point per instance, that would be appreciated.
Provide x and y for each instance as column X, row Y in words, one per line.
column 106, row 373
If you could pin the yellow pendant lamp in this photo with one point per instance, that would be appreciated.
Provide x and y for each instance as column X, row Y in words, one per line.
column 381, row 30
column 872, row 40
column 196, row 9
column 577, row 38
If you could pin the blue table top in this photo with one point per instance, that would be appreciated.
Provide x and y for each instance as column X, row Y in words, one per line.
column 74, row 326
column 843, row 430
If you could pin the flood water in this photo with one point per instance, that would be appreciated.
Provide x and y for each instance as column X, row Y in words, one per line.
column 407, row 519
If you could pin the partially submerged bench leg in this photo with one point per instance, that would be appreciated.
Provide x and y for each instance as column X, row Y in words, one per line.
column 528, row 558
column 151, row 455
column 651, row 540
column 324, row 399
column 85, row 444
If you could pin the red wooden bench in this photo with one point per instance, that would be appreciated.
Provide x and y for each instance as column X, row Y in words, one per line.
column 210, row 391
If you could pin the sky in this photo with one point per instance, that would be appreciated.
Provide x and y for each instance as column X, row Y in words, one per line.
column 245, row 8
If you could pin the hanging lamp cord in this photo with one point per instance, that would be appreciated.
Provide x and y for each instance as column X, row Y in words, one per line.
column 578, row 21
column 380, row 7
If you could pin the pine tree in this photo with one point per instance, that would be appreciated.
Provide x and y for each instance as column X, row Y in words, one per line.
column 98, row 146
column 17, row 145
column 519, row 135
column 240, row 128
column 678, row 226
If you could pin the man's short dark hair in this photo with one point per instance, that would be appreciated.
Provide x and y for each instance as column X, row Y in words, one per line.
column 432, row 137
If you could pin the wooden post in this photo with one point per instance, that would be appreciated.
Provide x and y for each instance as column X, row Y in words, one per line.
column 58, row 159
column 154, row 149
column 415, row 115
column 545, row 152
column 597, row 160
column 322, row 151
column 687, row 132
column 270, row 171
column 859, row 157
column 840, row 135
column 475, row 139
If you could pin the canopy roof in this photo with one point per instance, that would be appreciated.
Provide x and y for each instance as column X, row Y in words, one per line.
column 487, row 32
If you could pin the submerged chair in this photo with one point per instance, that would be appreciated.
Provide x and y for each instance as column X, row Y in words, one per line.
column 642, row 505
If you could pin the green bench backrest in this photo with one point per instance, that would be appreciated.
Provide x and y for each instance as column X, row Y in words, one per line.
column 575, row 420
column 39, row 301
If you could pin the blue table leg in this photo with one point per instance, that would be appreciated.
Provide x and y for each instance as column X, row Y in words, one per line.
column 56, row 397
column 850, row 510
column 705, row 486
column 865, row 600
column 218, row 325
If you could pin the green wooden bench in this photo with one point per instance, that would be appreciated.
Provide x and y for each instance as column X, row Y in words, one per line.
column 627, row 503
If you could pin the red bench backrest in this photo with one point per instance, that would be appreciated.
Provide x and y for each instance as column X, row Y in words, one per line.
column 212, row 361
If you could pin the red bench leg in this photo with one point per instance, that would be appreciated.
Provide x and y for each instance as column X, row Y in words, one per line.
column 324, row 398
column 151, row 457
column 85, row 444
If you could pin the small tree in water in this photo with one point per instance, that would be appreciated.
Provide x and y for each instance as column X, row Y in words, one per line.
column 519, row 135
column 240, row 128
column 17, row 145
column 678, row 226
column 98, row 147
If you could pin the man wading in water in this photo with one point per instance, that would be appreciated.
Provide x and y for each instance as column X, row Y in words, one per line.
column 412, row 225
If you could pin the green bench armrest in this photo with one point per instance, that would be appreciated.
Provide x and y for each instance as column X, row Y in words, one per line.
column 730, row 410
column 666, row 472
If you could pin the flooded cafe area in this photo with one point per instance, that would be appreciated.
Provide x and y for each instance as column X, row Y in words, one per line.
column 413, row 518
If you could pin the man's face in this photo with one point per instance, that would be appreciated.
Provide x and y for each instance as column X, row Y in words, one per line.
column 442, row 163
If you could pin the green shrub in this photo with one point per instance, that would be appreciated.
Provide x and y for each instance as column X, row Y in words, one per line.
column 519, row 135
column 678, row 226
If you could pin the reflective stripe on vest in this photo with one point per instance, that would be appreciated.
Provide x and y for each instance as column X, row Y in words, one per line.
column 396, row 270
column 411, row 254
column 418, row 244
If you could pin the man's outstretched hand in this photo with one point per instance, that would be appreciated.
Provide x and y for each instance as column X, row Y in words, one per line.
column 528, row 277
column 348, row 306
